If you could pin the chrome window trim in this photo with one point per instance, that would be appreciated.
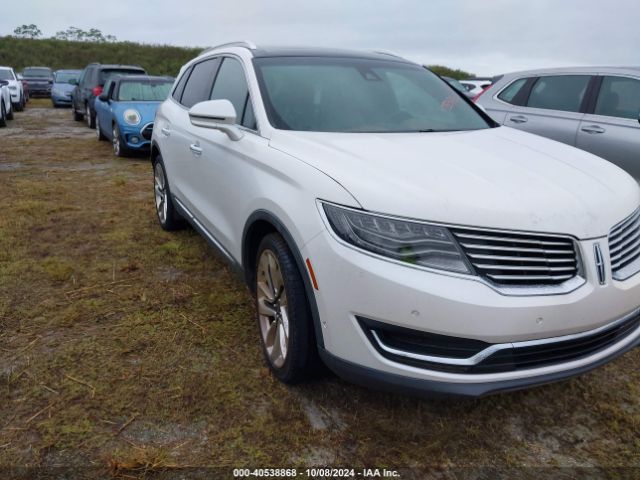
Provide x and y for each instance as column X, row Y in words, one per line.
column 487, row 352
column 563, row 288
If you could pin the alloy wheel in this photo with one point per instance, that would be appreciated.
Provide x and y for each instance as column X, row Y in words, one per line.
column 116, row 141
column 160, row 191
column 272, row 308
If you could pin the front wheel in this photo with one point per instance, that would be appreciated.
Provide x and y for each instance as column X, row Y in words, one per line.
column 78, row 117
column 119, row 149
column 283, row 313
column 3, row 114
column 10, row 112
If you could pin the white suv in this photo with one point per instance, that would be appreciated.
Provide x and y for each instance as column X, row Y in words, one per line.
column 15, row 88
column 389, row 227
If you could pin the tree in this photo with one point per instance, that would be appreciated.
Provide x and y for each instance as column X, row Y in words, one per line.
column 78, row 35
column 27, row 31
column 450, row 72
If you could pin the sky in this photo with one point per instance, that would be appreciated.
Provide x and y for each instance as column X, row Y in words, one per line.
column 485, row 37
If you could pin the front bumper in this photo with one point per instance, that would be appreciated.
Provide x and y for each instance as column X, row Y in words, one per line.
column 354, row 284
column 137, row 137
column 35, row 89
column 61, row 99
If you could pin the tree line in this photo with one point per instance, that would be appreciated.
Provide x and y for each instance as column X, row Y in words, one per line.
column 73, row 34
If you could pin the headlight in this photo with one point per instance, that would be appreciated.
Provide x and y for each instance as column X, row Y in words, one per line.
column 131, row 116
column 411, row 242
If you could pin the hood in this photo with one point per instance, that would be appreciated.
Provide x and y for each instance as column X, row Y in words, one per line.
column 147, row 110
column 495, row 178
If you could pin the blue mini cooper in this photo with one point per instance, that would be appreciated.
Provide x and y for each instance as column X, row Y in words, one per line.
column 126, row 109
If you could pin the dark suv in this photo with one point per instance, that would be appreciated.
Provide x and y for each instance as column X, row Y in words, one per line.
column 40, row 80
column 90, row 85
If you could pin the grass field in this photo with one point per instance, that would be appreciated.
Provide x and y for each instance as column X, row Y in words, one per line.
column 131, row 352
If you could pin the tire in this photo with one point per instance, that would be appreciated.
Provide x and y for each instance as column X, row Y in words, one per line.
column 286, row 326
column 18, row 107
column 167, row 215
column 9, row 115
column 78, row 117
column 3, row 115
column 89, row 118
column 119, row 148
column 99, row 133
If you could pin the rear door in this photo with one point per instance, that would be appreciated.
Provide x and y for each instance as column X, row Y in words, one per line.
column 554, row 107
column 611, row 128
column 179, row 147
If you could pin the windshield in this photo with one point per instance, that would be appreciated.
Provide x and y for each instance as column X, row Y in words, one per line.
column 64, row 77
column 144, row 91
column 6, row 74
column 37, row 72
column 324, row 94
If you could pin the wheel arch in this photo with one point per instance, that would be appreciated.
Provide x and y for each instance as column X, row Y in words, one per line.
column 259, row 224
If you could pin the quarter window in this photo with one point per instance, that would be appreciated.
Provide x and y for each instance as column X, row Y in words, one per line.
column 198, row 85
column 563, row 92
column 177, row 92
column 510, row 93
column 619, row 97
column 231, row 85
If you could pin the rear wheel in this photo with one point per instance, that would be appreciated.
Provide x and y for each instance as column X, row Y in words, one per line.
column 78, row 117
column 283, row 313
column 99, row 134
column 91, row 120
column 3, row 114
column 168, row 217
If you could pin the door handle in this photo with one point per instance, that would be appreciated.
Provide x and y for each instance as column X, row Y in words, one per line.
column 519, row 119
column 165, row 131
column 195, row 149
column 593, row 129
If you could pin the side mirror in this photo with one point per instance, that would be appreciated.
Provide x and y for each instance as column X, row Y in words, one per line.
column 218, row 115
column 104, row 96
column 73, row 81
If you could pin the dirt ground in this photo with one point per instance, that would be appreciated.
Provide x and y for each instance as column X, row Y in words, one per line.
column 131, row 352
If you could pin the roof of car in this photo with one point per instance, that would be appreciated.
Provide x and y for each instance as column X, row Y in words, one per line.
column 263, row 51
column 275, row 51
column 119, row 78
column 114, row 65
column 635, row 70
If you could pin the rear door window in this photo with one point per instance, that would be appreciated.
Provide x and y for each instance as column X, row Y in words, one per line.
column 562, row 92
column 199, row 84
column 619, row 97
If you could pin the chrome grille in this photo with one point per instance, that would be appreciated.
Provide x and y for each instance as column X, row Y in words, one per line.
column 519, row 259
column 624, row 247
column 147, row 131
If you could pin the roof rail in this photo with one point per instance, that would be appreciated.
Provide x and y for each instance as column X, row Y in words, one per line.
column 243, row 44
column 386, row 52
